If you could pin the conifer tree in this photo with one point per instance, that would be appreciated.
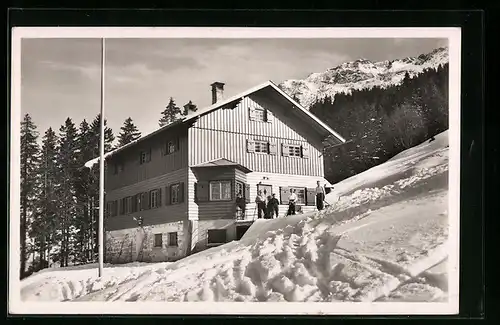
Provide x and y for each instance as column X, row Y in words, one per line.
column 28, row 163
column 129, row 133
column 44, row 223
column 170, row 114
column 67, row 167
column 83, row 188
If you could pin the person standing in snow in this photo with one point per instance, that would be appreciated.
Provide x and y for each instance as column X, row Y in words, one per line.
column 260, row 200
column 273, row 206
column 240, row 206
column 320, row 196
column 292, row 199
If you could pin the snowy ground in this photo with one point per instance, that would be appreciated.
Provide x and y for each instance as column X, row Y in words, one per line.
column 384, row 237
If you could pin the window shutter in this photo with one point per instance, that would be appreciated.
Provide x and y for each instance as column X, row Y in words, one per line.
column 160, row 192
column 284, row 150
column 149, row 155
column 305, row 152
column 168, row 191
column 144, row 201
column 134, row 203
column 247, row 193
column 120, row 206
column 140, row 158
column 149, row 199
column 284, row 194
column 310, row 196
column 115, row 208
column 177, row 144
column 250, row 146
column 251, row 114
column 269, row 116
column 181, row 192
column 273, row 148
column 202, row 191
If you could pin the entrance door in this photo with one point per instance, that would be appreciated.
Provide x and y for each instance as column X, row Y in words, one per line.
column 267, row 190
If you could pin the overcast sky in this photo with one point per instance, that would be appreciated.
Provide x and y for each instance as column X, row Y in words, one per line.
column 60, row 77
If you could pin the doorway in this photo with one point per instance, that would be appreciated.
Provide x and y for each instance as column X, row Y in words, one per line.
column 267, row 190
column 241, row 230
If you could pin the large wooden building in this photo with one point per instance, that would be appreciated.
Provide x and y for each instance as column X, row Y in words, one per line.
column 173, row 191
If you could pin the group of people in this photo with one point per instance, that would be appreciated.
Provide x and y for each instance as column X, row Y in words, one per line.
column 268, row 207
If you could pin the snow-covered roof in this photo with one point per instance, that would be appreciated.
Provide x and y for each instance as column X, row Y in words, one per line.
column 222, row 162
column 217, row 105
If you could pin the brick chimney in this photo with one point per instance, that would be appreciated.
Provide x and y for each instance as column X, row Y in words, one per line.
column 217, row 92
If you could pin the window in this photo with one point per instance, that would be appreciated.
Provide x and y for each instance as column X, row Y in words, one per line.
column 109, row 209
column 301, row 194
column 137, row 203
column 145, row 156
column 260, row 114
column 154, row 196
column 172, row 239
column 158, row 240
column 128, row 205
column 220, row 190
column 239, row 188
column 175, row 193
column 118, row 168
column 171, row 146
column 294, row 151
column 261, row 146
column 216, row 236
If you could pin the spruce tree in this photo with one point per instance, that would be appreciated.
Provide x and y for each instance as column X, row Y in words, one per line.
column 95, row 132
column 29, row 163
column 170, row 114
column 129, row 133
column 44, row 223
column 67, row 174
column 83, row 188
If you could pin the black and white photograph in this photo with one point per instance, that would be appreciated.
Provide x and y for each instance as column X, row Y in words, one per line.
column 235, row 170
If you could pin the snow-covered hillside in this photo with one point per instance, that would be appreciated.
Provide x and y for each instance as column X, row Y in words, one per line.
column 384, row 237
column 360, row 74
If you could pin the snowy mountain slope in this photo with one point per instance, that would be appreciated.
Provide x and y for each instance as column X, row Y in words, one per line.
column 383, row 238
column 360, row 74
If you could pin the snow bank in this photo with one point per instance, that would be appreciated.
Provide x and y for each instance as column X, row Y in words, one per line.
column 371, row 244
column 419, row 159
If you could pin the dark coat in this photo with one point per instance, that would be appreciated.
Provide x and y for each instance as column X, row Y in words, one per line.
column 273, row 202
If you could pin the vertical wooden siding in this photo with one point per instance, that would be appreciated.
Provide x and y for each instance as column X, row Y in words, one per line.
column 224, row 132
column 160, row 164
column 163, row 214
column 217, row 209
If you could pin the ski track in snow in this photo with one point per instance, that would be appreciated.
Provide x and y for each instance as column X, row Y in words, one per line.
column 342, row 253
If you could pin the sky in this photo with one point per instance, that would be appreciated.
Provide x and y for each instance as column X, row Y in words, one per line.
column 60, row 78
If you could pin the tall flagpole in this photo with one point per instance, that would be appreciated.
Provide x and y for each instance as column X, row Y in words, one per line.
column 101, row 167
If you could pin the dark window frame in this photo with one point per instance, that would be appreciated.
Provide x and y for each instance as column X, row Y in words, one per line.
column 173, row 242
column 261, row 144
column 260, row 117
column 153, row 196
column 294, row 150
column 145, row 156
column 158, row 240
column 128, row 205
column 175, row 188
column 220, row 181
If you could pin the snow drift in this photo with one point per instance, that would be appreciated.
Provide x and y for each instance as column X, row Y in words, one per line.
column 383, row 237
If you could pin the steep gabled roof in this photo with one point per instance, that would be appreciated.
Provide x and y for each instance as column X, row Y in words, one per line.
column 206, row 110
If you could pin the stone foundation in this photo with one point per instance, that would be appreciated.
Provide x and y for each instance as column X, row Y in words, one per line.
column 137, row 244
